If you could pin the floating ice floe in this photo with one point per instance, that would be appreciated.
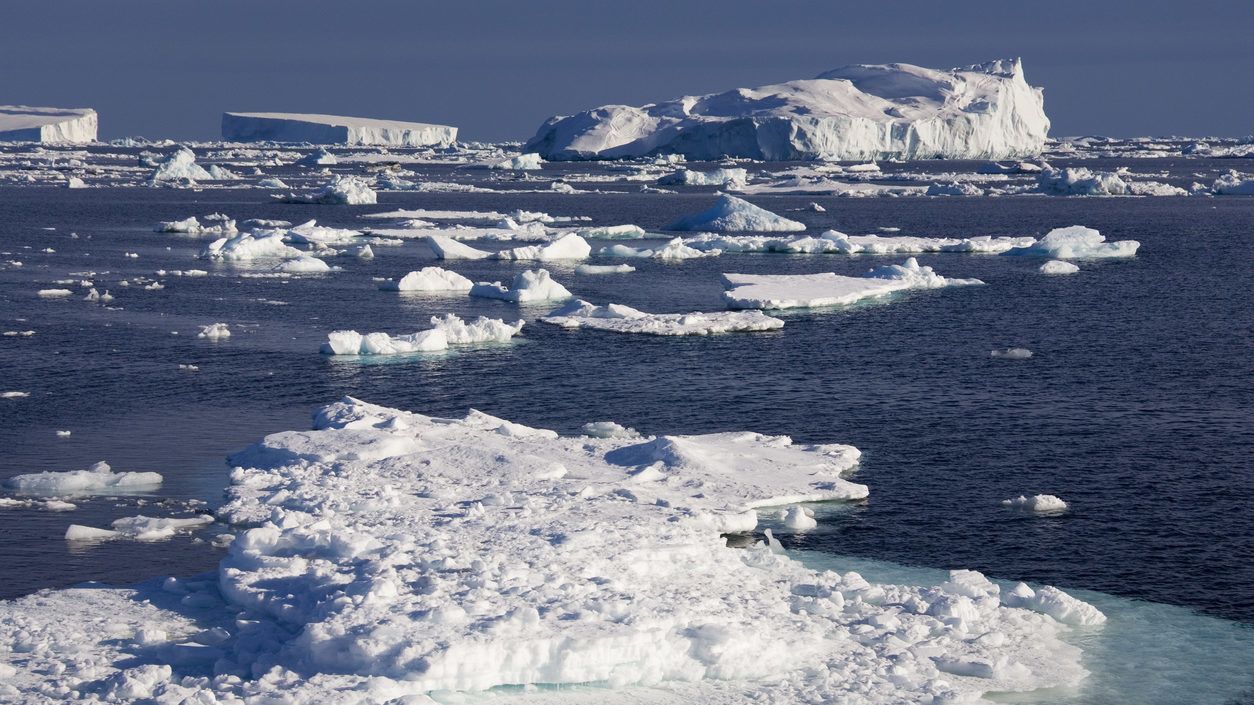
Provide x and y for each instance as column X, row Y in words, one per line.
column 1077, row 242
column 220, row 225
column 1234, row 184
column 569, row 246
column 731, row 214
column 448, row 330
column 529, row 161
column 835, row 242
column 51, row 505
column 1051, row 601
column 624, row 319
column 1057, row 266
column 303, row 265
column 798, row 518
column 14, row 395
column 613, row 232
column 1011, row 354
column 179, row 167
column 319, row 158
column 608, row 429
column 528, row 286
column 717, row 177
column 1078, row 181
column 782, row 291
column 249, row 246
column 54, row 293
column 447, row 248
column 214, row 331
column 604, row 269
column 137, row 528
column 429, row 279
column 98, row 479
column 675, row 249
column 341, row 190
column 1040, row 503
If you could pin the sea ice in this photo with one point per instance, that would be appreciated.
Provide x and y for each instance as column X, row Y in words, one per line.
column 604, row 269
column 798, row 518
column 835, row 242
column 138, row 528
column 624, row 319
column 1077, row 242
column 1234, row 183
column 319, row 158
column 429, row 279
column 1012, row 354
column 568, row 246
column 246, row 247
column 521, row 162
column 341, row 190
column 731, row 214
column 214, row 331
column 1040, row 503
column 528, row 286
column 448, row 330
column 220, row 225
column 302, row 265
column 98, row 479
column 781, row 291
column 717, row 177
column 447, row 248
column 1057, row 266
column 180, row 166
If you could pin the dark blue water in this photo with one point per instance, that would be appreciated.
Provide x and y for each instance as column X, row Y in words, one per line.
column 1136, row 407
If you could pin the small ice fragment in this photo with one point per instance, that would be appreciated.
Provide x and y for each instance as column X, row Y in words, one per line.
column 214, row 331
column 63, row 434
column 798, row 518
column 1011, row 354
column 1057, row 266
column 1040, row 503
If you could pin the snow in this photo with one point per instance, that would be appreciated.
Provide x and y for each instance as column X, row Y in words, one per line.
column 781, row 291
column 568, row 246
column 447, row 330
column 179, row 167
column 429, row 279
column 1078, row 242
column 1234, row 184
column 98, row 479
column 341, row 190
column 604, row 269
column 858, row 112
column 214, row 331
column 731, row 214
column 717, row 177
column 246, row 247
column 528, row 286
column 24, row 123
column 1040, row 503
column 521, row 162
column 1011, row 354
column 1057, row 266
column 333, row 129
column 624, row 319
column 446, row 247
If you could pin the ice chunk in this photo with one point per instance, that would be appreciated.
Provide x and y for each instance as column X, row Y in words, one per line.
column 1234, row 184
column 77, row 532
column 143, row 528
column 857, row 112
column 180, row 166
column 675, row 249
column 54, row 293
column 780, row 291
column 608, row 429
column 613, row 232
column 429, row 279
column 731, row 214
column 530, row 285
column 1055, row 603
column 98, row 479
column 333, row 129
column 604, row 269
column 248, row 246
column 1040, row 503
column 838, row 243
column 214, row 331
column 624, row 319
column 319, row 158
column 1012, row 353
column 798, row 518
column 569, row 246
column 302, row 265
column 717, row 177
column 1078, row 181
column 1057, row 266
column 341, row 190
column 447, row 248
column 1077, row 242
column 192, row 226
column 24, row 123
column 480, row 330
column 447, row 330
column 522, row 162
column 14, row 395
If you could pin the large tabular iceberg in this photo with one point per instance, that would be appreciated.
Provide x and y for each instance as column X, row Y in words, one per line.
column 23, row 123
column 333, row 129
column 859, row 112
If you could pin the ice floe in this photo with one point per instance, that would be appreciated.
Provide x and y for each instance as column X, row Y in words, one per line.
column 782, row 291
column 625, row 319
column 138, row 528
column 179, row 167
column 429, row 279
column 1077, row 242
column 448, row 330
column 98, row 479
column 731, row 214
column 565, row 247
column 1039, row 503
column 447, row 248
column 246, row 247
column 216, row 224
column 215, row 331
column 1011, row 354
column 1057, row 266
column 604, row 269
column 835, row 242
column 717, row 177
column 528, row 286
column 1234, row 183
column 529, row 161
column 341, row 190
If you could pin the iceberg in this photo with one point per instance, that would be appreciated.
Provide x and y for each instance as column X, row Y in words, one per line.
column 1057, row 266
column 341, row 190
column 859, row 112
column 1077, row 242
column 1234, row 183
column 429, row 279
column 717, row 177
column 568, row 246
column 179, row 167
column 625, row 319
column 333, row 129
column 98, row 479
column 446, row 247
column 530, row 285
column 731, row 214
column 782, row 291
column 527, row 162
column 447, row 330
column 24, row 123
column 249, row 246
column 214, row 331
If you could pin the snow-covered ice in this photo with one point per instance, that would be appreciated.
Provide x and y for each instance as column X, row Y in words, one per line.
column 798, row 518
column 1234, row 183
column 1011, row 354
column 731, row 214
column 24, row 123
column 429, row 279
column 246, row 247
column 835, row 242
column 179, row 167
column 625, row 319
column 522, row 162
column 716, row 177
column 447, row 330
column 604, row 269
column 98, row 479
column 302, row 265
column 333, row 129
column 528, row 286
column 341, row 190
column 1057, row 266
column 446, row 247
column 859, row 112
column 1039, row 503
column 138, row 528
column 215, row 331
column 1077, row 242
column 781, row 291
column 565, row 247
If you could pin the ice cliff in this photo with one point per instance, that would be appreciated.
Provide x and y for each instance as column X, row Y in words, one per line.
column 22, row 123
column 333, row 129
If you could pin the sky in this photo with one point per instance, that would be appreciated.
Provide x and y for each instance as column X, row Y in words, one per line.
column 497, row 68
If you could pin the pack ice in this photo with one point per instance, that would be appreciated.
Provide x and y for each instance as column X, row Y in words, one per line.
column 625, row 319
column 396, row 557
column 780, row 291
column 333, row 129
column 24, row 123
column 445, row 331
column 859, row 112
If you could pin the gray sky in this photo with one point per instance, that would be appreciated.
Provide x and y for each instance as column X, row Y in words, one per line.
column 497, row 68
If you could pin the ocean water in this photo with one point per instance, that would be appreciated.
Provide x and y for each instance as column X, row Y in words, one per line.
column 1136, row 407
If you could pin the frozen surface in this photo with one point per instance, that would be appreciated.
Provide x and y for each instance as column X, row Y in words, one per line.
column 138, row 528
column 180, row 167
column 781, row 291
column 341, row 190
column 528, row 286
column 625, row 319
column 24, row 123
column 333, row 129
column 429, row 279
column 446, row 247
column 1234, row 183
column 717, row 177
column 98, row 479
column 1078, row 242
column 246, row 247
column 1012, row 354
column 731, row 214
column 857, row 112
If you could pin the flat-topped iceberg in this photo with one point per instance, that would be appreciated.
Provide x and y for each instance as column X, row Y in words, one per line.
column 781, row 291
column 731, row 214
column 625, row 319
column 333, row 129
column 24, row 123
column 859, row 112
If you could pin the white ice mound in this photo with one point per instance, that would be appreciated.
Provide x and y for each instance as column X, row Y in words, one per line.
column 429, row 279
column 624, row 319
column 717, row 177
column 604, row 269
column 98, row 479
column 215, row 331
column 302, row 265
column 568, row 246
column 1077, row 242
column 246, row 247
column 1055, row 603
column 446, row 247
column 179, row 167
column 1011, row 354
column 530, row 285
column 528, row 162
column 781, row 291
column 333, row 129
column 731, row 214
column 341, row 190
column 858, row 112
column 674, row 250
column 798, row 518
column 138, row 528
column 447, row 330
column 215, row 224
column 24, row 123
column 1057, row 266
column 1234, row 183
column 1038, row 503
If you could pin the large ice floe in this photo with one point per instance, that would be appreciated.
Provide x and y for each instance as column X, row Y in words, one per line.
column 98, row 479
column 1077, row 242
column 781, row 291
column 249, row 246
column 429, row 279
column 838, row 243
column 446, row 330
column 731, row 214
column 333, row 129
column 528, row 286
column 396, row 557
column 625, row 319
column 341, row 190
column 859, row 112
column 446, row 247
column 24, row 123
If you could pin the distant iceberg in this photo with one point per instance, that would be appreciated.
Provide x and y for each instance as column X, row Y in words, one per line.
column 23, row 123
column 333, row 129
column 860, row 112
